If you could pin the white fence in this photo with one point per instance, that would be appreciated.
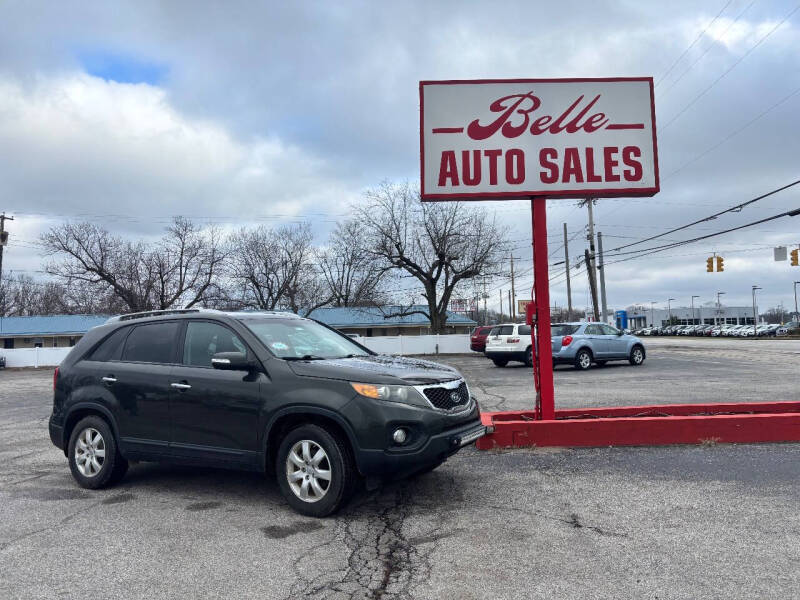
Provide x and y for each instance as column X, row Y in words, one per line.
column 394, row 344
column 417, row 344
column 34, row 357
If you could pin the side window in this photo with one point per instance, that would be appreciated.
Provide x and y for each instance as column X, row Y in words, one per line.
column 111, row 347
column 151, row 343
column 204, row 340
column 524, row 330
column 593, row 330
column 608, row 330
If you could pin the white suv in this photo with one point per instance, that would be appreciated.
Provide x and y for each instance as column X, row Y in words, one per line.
column 509, row 341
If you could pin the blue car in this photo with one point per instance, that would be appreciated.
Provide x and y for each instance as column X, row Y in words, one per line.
column 581, row 344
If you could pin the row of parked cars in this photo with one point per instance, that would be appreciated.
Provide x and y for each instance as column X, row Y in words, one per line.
column 578, row 344
column 770, row 330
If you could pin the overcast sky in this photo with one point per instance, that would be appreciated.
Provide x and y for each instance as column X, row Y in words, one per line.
column 238, row 113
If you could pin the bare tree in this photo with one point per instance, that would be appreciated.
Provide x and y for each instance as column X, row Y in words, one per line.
column 351, row 271
column 274, row 269
column 185, row 264
column 440, row 244
column 177, row 272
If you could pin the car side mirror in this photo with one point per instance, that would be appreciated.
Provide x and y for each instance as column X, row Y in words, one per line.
column 620, row 332
column 232, row 361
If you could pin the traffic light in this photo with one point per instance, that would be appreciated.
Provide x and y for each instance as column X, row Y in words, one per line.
column 710, row 264
column 720, row 264
column 794, row 256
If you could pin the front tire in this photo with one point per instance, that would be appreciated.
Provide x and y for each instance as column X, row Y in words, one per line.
column 315, row 469
column 636, row 357
column 93, row 457
column 583, row 359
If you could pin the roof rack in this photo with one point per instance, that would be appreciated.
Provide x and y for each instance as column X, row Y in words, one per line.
column 158, row 313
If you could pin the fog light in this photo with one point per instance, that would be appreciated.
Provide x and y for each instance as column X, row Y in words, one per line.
column 399, row 436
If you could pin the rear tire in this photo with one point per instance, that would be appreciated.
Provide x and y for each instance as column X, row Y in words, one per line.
column 529, row 357
column 637, row 356
column 326, row 480
column 583, row 359
column 499, row 362
column 93, row 455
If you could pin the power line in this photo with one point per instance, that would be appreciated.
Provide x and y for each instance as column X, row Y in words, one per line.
column 707, row 50
column 654, row 249
column 697, row 39
column 735, row 208
column 729, row 69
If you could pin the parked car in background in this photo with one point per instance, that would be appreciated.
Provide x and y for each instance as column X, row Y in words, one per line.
column 477, row 340
column 2, row 362
column 581, row 344
column 509, row 342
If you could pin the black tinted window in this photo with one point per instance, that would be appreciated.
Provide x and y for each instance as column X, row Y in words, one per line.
column 153, row 343
column 562, row 329
column 503, row 330
column 204, row 340
column 524, row 329
column 111, row 347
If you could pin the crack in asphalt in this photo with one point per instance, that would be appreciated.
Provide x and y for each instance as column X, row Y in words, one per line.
column 381, row 562
column 492, row 407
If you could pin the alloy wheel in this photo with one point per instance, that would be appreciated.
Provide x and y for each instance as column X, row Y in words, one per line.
column 308, row 471
column 90, row 452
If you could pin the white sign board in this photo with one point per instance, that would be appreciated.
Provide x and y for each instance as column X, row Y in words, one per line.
column 518, row 138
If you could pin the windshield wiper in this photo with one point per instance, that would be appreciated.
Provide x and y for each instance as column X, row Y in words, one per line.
column 305, row 357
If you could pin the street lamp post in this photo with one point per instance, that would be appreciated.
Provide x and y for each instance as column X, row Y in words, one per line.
column 693, row 319
column 652, row 319
column 755, row 316
column 719, row 307
column 669, row 309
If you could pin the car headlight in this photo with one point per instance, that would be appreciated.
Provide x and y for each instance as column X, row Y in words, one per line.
column 392, row 393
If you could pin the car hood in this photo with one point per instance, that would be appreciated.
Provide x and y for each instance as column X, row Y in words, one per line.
column 377, row 369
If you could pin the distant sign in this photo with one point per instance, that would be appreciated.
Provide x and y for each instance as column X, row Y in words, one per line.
column 517, row 138
column 780, row 253
column 522, row 306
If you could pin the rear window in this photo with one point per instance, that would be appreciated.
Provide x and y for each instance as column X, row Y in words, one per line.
column 484, row 330
column 562, row 329
column 152, row 343
column 111, row 347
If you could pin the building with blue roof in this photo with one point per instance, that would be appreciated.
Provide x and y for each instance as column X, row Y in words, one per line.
column 51, row 331
column 56, row 331
column 370, row 321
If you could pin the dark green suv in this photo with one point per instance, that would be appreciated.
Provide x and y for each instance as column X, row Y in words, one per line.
column 269, row 392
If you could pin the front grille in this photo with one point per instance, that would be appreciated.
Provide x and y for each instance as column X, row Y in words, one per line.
column 448, row 399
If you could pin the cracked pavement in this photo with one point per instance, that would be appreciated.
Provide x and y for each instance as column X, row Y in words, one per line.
column 683, row 522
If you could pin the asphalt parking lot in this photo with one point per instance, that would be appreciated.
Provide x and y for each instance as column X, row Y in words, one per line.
column 683, row 522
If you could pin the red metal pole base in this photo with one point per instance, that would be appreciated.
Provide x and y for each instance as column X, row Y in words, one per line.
column 540, row 327
column 654, row 425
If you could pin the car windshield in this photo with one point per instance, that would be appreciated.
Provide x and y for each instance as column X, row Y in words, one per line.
column 295, row 339
column 563, row 329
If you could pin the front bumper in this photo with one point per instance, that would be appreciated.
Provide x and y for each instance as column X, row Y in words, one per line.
column 388, row 464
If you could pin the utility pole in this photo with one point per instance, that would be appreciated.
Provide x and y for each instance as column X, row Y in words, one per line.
column 510, row 309
column 796, row 314
column 602, row 277
column 501, row 305
column 590, row 260
column 592, row 283
column 512, row 305
column 719, row 310
column 755, row 313
column 485, row 309
column 3, row 239
column 693, row 318
column 566, row 265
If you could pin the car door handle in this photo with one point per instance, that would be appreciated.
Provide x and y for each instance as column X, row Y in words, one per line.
column 181, row 386
column 109, row 379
